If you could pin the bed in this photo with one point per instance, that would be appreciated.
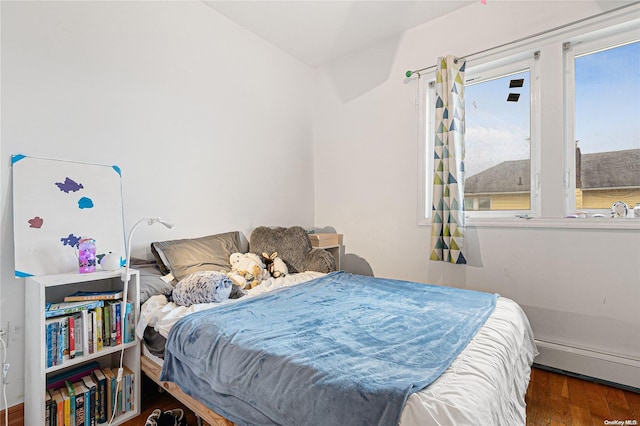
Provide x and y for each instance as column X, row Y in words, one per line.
column 483, row 381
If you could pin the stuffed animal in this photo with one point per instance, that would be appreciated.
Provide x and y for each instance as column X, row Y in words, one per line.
column 276, row 266
column 249, row 266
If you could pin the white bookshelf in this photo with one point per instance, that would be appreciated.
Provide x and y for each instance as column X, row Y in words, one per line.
column 52, row 289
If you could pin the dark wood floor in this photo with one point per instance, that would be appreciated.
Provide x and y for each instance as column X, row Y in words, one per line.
column 556, row 399
column 552, row 399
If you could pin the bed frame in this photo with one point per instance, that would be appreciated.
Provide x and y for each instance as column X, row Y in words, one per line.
column 152, row 370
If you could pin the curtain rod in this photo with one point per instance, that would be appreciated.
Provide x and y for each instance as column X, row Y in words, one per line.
column 541, row 33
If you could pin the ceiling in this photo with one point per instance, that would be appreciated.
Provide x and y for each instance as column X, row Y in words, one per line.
column 318, row 32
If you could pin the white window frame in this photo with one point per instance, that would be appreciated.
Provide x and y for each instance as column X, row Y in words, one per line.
column 555, row 134
column 512, row 64
column 573, row 48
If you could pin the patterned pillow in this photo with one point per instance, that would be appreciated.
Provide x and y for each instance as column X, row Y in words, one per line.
column 202, row 287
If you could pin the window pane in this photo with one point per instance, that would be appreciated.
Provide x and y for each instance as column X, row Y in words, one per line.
column 607, row 87
column 497, row 140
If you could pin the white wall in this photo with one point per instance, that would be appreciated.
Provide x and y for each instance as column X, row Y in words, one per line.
column 211, row 126
column 580, row 287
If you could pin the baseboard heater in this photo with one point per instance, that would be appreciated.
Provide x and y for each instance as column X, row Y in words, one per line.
column 611, row 368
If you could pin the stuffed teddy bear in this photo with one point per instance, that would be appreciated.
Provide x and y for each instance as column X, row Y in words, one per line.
column 247, row 270
column 276, row 266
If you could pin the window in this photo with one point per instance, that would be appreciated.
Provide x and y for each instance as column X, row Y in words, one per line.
column 498, row 140
column 604, row 76
column 552, row 127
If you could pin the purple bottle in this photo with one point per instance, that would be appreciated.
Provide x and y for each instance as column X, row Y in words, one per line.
column 86, row 255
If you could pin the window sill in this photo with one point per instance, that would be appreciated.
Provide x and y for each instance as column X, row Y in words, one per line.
column 567, row 223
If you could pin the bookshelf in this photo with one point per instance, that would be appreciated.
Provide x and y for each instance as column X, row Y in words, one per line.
column 52, row 289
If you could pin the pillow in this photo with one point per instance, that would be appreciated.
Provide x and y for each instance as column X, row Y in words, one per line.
column 201, row 287
column 152, row 284
column 293, row 247
column 184, row 257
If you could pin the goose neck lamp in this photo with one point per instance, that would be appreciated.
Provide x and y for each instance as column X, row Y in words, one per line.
column 127, row 276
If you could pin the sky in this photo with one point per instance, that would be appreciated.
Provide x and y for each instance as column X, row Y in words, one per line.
column 607, row 110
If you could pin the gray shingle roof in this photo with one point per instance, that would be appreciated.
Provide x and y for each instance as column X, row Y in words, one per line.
column 613, row 169
column 508, row 176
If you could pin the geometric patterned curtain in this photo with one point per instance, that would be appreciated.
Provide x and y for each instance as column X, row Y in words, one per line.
column 447, row 221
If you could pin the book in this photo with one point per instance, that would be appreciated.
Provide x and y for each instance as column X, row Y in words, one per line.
column 59, row 410
column 80, row 333
column 116, row 334
column 71, row 336
column 90, row 335
column 47, row 408
column 63, row 339
column 52, row 330
column 99, row 329
column 66, row 406
column 129, row 323
column 79, row 391
column 119, row 403
column 82, row 403
column 106, row 326
column 101, row 399
column 94, row 295
column 130, row 388
column 65, row 308
column 72, row 403
column 91, row 385
column 110, row 391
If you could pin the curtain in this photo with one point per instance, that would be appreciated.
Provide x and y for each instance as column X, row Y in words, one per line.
column 447, row 222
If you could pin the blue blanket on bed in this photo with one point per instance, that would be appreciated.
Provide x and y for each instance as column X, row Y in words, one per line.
column 340, row 349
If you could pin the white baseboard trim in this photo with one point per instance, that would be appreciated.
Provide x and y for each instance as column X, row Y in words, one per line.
column 614, row 368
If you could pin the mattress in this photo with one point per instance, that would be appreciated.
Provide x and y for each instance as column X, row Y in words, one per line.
column 485, row 384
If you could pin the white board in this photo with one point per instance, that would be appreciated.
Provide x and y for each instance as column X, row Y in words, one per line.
column 56, row 203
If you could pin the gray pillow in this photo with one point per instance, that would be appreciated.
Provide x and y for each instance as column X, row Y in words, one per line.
column 184, row 257
column 293, row 247
column 152, row 284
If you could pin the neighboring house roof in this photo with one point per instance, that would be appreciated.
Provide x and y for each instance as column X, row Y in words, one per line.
column 613, row 169
column 508, row 176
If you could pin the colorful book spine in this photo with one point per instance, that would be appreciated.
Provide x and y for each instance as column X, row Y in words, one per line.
column 101, row 390
column 91, row 385
column 99, row 329
column 52, row 330
column 72, row 403
column 72, row 336
column 129, row 323
column 131, row 380
column 79, row 391
column 59, row 404
column 110, row 386
column 106, row 326
column 47, row 408
column 67, row 409
column 119, row 391
column 117, row 306
column 90, row 334
column 63, row 340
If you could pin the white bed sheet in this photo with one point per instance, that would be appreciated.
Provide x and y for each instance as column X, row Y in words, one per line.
column 484, row 385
